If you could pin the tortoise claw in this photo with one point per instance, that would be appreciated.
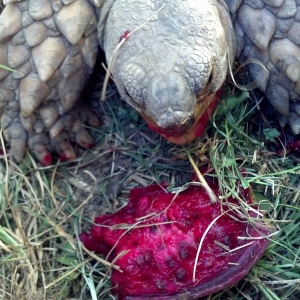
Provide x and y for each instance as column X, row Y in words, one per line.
column 62, row 146
column 83, row 139
column 16, row 135
column 39, row 145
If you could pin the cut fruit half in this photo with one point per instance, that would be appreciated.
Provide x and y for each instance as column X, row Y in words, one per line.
column 179, row 246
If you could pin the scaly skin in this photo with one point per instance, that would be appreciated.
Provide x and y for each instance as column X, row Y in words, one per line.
column 268, row 31
column 40, row 103
column 169, row 70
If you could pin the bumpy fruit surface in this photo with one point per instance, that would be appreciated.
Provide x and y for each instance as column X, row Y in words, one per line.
column 161, row 233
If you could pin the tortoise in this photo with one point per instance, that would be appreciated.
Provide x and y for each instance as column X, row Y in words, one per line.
column 168, row 58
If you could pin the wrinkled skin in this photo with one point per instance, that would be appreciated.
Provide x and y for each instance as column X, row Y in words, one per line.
column 170, row 69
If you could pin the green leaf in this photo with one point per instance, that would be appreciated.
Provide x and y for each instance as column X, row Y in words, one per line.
column 67, row 248
column 270, row 134
column 228, row 161
column 134, row 116
column 245, row 183
column 263, row 202
column 68, row 261
column 122, row 111
column 231, row 102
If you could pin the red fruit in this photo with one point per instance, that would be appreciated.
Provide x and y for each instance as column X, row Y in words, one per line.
column 294, row 146
column 163, row 246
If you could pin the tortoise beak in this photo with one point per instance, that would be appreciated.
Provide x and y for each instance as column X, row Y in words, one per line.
column 182, row 135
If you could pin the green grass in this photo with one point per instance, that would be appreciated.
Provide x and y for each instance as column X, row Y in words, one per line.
column 276, row 182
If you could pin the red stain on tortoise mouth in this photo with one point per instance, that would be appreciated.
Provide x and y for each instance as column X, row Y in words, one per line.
column 159, row 235
column 177, row 137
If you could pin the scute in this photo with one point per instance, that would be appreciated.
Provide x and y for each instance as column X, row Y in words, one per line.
column 258, row 24
column 282, row 58
column 40, row 9
column 10, row 21
column 71, row 23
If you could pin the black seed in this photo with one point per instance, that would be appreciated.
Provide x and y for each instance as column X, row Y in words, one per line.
column 159, row 284
column 140, row 259
column 183, row 252
column 148, row 257
column 226, row 240
column 171, row 262
column 180, row 273
column 153, row 228
column 187, row 223
column 161, row 247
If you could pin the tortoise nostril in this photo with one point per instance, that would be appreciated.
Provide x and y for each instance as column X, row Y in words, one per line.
column 174, row 120
column 210, row 79
column 180, row 117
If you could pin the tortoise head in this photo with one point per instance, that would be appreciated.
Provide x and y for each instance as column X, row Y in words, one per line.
column 171, row 68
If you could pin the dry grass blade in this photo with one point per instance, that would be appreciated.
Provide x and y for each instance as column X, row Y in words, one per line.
column 202, row 180
column 252, row 85
column 201, row 242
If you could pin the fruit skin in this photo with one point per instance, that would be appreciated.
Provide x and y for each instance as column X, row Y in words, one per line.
column 225, row 280
column 161, row 257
